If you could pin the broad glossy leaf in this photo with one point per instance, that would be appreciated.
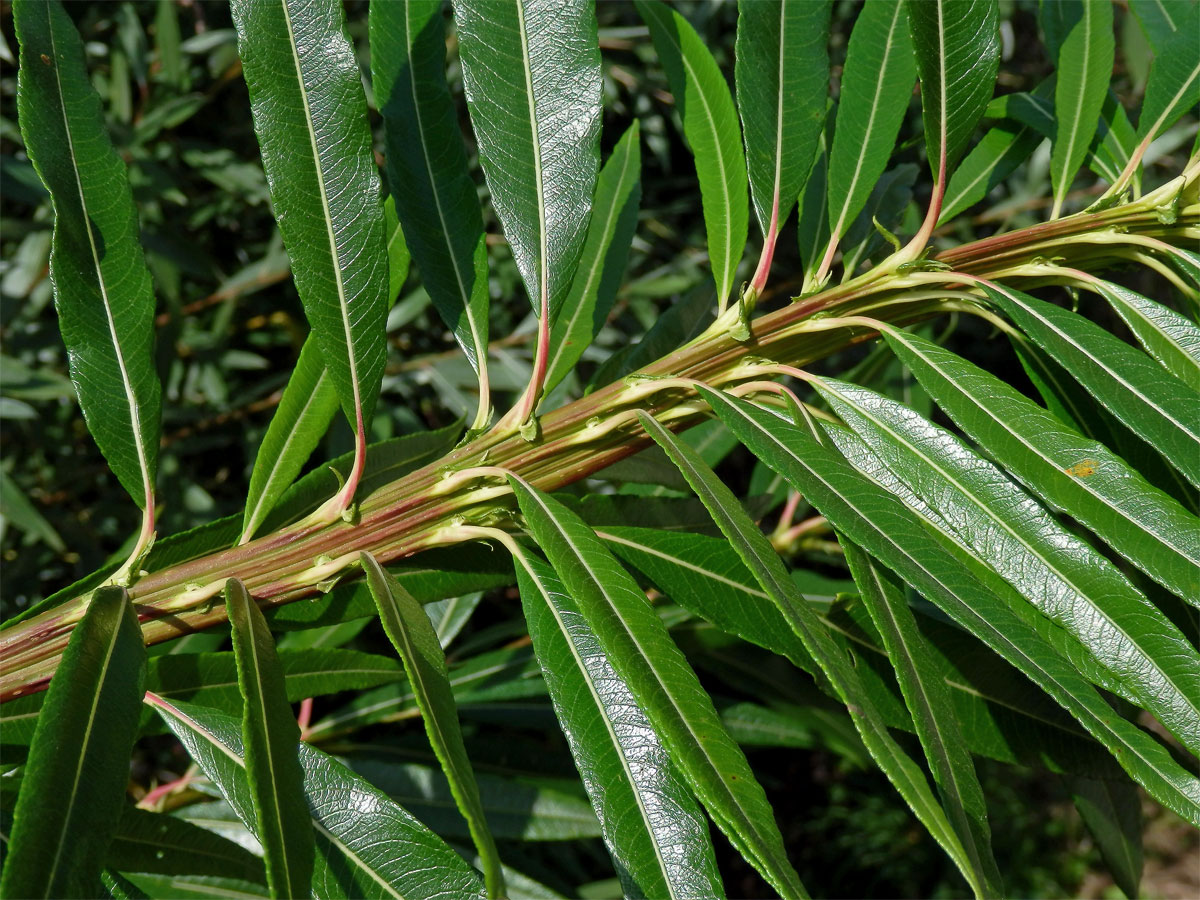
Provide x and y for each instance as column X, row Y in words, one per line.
column 270, row 735
column 1172, row 339
column 1112, row 811
column 1159, row 408
column 1083, row 67
column 710, row 126
column 367, row 846
column 656, row 834
column 963, row 588
column 957, row 44
column 602, row 262
column 877, row 83
column 168, row 845
column 73, row 788
column 782, row 76
column 102, row 289
column 436, row 200
column 1174, row 78
column 761, row 559
column 305, row 411
column 531, row 71
column 310, row 115
column 411, row 633
column 1076, row 475
column 636, row 642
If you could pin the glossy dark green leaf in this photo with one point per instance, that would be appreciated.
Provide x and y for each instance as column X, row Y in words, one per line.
column 957, row 43
column 1126, row 382
column 168, row 845
column 1174, row 77
column 531, row 72
column 877, row 82
column 367, row 846
column 602, row 262
column 812, row 225
column 436, row 200
column 1172, row 339
column 73, row 789
column 963, row 588
column 1076, row 475
column 710, row 126
column 102, row 289
column 988, row 164
column 411, row 633
column 310, row 115
column 636, row 642
column 782, row 76
column 655, row 832
column 270, row 735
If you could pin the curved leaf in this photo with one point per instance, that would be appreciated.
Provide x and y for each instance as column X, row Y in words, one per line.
column 1172, row 339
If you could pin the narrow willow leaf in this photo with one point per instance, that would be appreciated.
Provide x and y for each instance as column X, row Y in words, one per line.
column 653, row 828
column 958, row 54
column 1071, row 584
column 102, row 289
column 412, row 634
column 638, row 645
column 812, row 226
column 195, row 887
column 310, row 115
column 884, row 209
column 1174, row 77
column 963, row 588
column 1112, row 811
column 1160, row 19
column 305, row 411
column 1083, row 67
column 782, row 76
column 761, row 559
column 436, row 201
column 154, row 842
column 928, row 700
column 602, row 262
column 1172, row 339
column 74, row 784
column 988, row 164
column 270, row 735
column 1115, row 141
column 531, row 71
column 119, row 887
column 877, row 82
column 1159, row 408
column 710, row 125
column 367, row 846
column 17, row 510
column 398, row 254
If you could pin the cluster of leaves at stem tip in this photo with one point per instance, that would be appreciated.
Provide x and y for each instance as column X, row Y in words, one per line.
column 1015, row 582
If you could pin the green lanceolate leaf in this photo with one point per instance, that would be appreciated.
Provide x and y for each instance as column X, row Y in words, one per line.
column 1172, row 339
column 761, row 559
column 1112, row 811
column 965, row 589
column 710, row 125
column 154, row 842
column 1074, row 474
column 306, row 409
column 1083, row 68
column 367, row 846
column 270, row 735
column 1174, row 78
column 1159, row 408
column 928, row 700
column 958, row 54
column 427, row 171
column 782, row 76
column 655, row 832
column 602, row 262
column 1071, row 584
column 398, row 253
column 531, row 71
column 310, row 115
column 877, row 83
column 643, row 654
column 412, row 634
column 102, row 289
column 1160, row 19
column 73, row 789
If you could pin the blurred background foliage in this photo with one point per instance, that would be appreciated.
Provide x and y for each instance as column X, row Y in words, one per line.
column 231, row 326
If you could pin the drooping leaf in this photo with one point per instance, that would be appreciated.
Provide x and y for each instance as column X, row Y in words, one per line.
column 102, row 289
column 1172, row 339
column 710, row 126
column 655, row 832
column 636, row 642
column 310, row 115
column 155, row 842
column 436, row 200
column 73, row 789
column 602, row 262
column 1174, row 77
column 270, row 735
column 782, row 76
column 877, row 82
column 1112, row 811
column 412, row 634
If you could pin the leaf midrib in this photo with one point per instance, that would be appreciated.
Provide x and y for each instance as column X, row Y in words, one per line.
column 1074, row 122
